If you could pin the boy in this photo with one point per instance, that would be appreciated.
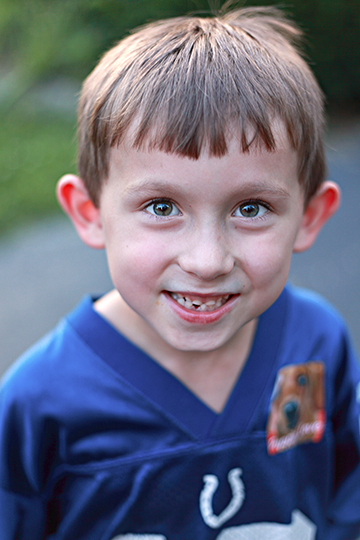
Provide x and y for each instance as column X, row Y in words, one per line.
column 202, row 398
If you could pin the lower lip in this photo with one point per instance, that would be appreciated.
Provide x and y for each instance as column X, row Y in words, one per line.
column 201, row 317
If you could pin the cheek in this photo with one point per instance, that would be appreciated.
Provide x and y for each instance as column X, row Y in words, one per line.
column 136, row 259
column 268, row 260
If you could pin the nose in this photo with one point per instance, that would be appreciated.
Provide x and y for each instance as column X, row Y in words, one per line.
column 206, row 255
column 291, row 411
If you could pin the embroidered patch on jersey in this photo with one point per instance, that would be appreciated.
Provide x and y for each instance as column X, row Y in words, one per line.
column 297, row 409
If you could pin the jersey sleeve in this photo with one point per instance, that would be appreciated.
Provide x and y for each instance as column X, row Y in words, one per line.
column 22, row 465
column 344, row 509
column 21, row 518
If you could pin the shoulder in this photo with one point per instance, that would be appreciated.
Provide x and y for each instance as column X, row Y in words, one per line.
column 25, row 399
column 49, row 370
column 310, row 311
column 36, row 364
column 42, row 398
column 64, row 382
column 41, row 362
column 315, row 328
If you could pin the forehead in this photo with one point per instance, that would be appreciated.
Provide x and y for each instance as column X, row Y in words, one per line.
column 255, row 171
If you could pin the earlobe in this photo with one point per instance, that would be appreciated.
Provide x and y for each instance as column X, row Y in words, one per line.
column 320, row 208
column 76, row 203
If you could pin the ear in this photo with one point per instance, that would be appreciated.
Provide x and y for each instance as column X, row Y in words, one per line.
column 320, row 208
column 76, row 203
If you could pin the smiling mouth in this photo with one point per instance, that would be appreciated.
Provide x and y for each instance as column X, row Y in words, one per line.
column 195, row 303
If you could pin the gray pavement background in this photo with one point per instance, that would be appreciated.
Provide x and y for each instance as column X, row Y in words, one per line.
column 45, row 269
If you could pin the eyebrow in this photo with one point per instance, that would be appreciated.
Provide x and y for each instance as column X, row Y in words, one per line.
column 262, row 188
column 149, row 186
column 248, row 189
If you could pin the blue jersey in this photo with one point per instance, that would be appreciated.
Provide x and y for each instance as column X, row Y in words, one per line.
column 99, row 442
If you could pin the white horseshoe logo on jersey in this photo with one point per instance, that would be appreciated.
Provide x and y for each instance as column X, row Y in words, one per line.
column 206, row 496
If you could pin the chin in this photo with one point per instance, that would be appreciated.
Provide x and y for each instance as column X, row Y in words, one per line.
column 195, row 343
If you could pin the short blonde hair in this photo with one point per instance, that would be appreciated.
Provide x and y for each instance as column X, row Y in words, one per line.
column 187, row 84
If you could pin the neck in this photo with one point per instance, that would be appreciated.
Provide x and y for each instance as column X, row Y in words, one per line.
column 210, row 375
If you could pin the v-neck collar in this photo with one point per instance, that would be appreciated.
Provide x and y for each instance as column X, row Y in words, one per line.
column 168, row 393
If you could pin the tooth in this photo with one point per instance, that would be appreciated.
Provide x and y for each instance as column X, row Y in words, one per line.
column 198, row 304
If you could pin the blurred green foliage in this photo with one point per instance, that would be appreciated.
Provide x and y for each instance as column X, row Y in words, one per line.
column 40, row 38
column 34, row 153
column 46, row 40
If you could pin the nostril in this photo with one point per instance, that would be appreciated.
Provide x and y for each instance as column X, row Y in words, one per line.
column 291, row 411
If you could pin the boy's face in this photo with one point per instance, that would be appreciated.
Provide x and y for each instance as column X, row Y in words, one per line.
column 199, row 248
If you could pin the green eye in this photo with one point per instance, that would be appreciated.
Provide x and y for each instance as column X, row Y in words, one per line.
column 250, row 210
column 162, row 209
